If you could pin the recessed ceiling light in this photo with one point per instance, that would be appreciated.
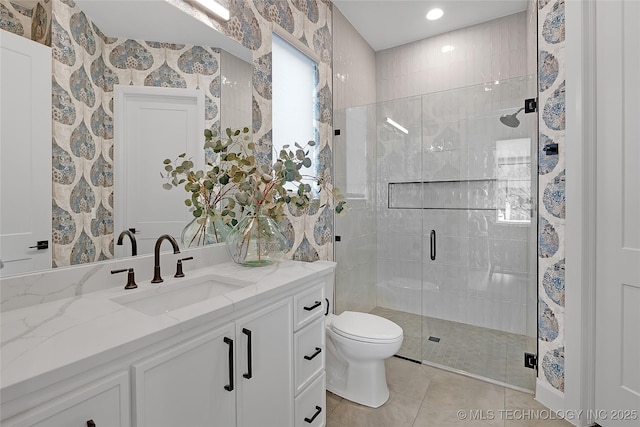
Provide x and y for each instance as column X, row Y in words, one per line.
column 447, row 48
column 434, row 14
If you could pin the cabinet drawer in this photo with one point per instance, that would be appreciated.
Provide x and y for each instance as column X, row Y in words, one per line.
column 309, row 353
column 311, row 408
column 105, row 403
column 308, row 305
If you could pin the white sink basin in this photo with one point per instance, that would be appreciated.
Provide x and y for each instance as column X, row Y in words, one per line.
column 182, row 293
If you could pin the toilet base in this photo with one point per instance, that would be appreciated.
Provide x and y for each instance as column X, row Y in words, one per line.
column 364, row 383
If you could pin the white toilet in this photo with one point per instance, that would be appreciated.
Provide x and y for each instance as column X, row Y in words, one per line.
column 357, row 344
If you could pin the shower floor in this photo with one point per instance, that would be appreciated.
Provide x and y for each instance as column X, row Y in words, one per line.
column 481, row 352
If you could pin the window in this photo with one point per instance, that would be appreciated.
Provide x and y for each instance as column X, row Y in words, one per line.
column 294, row 103
column 513, row 163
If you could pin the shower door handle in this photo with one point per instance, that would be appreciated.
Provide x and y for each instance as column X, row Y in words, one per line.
column 433, row 245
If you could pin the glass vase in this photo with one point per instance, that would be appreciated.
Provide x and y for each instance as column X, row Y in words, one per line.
column 256, row 241
column 202, row 231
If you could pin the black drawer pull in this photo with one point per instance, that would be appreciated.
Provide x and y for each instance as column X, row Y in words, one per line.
column 310, row 420
column 91, row 423
column 229, row 341
column 318, row 350
column 249, row 373
column 314, row 306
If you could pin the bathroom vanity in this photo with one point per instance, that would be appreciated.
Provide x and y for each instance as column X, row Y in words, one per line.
column 224, row 346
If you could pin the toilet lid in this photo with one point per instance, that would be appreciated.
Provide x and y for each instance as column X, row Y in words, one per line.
column 366, row 327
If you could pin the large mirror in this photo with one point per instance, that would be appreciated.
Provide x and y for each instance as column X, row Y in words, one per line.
column 99, row 46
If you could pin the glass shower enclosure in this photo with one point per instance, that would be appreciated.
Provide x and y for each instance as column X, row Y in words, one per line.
column 440, row 235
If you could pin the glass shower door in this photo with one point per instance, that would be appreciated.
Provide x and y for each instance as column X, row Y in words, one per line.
column 399, row 219
column 478, row 189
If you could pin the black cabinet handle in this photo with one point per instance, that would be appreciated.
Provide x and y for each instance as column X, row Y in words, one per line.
column 433, row 245
column 317, row 352
column 91, row 423
column 229, row 341
column 314, row 306
column 40, row 245
column 249, row 373
column 310, row 420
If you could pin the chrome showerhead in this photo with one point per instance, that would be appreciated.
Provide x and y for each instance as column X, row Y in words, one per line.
column 510, row 119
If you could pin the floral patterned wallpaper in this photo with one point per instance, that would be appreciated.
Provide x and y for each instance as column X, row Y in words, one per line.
column 551, row 184
column 27, row 20
column 87, row 64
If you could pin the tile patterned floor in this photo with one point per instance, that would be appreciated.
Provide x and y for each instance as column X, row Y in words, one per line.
column 423, row 396
column 488, row 353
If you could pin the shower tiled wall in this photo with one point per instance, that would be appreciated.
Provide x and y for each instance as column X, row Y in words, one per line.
column 86, row 66
column 235, row 89
column 551, row 77
column 494, row 50
column 481, row 272
column 456, row 141
column 355, row 147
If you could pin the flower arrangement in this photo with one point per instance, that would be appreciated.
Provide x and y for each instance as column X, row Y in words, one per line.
column 237, row 186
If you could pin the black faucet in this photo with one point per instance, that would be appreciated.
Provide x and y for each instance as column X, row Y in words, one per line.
column 156, row 262
column 134, row 244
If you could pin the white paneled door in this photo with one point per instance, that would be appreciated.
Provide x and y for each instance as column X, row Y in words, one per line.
column 618, row 214
column 152, row 124
column 25, row 155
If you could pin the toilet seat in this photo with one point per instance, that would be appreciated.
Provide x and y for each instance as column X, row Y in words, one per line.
column 366, row 327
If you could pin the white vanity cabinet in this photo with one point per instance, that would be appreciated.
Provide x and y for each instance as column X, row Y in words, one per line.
column 264, row 367
column 101, row 403
column 190, row 384
column 237, row 375
column 309, row 357
column 258, row 363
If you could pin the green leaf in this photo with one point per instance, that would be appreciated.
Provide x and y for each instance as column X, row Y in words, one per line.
column 306, row 162
column 167, row 186
column 311, row 143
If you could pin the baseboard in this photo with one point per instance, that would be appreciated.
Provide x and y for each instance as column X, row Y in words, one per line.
column 549, row 396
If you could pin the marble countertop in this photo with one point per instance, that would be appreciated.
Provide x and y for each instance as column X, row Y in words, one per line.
column 47, row 339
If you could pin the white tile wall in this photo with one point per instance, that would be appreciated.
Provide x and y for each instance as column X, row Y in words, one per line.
column 354, row 66
column 490, row 51
column 354, row 85
column 236, row 90
column 382, row 259
column 480, row 275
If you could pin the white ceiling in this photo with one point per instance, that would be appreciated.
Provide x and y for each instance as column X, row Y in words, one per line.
column 390, row 23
